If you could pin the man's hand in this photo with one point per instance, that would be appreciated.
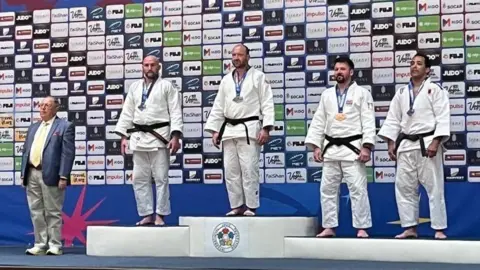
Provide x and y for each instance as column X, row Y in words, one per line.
column 23, row 185
column 263, row 136
column 215, row 141
column 317, row 155
column 391, row 150
column 62, row 184
column 124, row 146
column 174, row 145
column 364, row 156
column 433, row 148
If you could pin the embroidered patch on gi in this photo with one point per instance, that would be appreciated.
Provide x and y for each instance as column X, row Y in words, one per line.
column 349, row 102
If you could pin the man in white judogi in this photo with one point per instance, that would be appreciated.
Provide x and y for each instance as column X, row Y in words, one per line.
column 152, row 118
column 345, row 119
column 419, row 116
column 243, row 96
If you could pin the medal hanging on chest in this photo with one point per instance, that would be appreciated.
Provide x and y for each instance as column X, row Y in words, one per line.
column 238, row 87
column 145, row 94
column 412, row 95
column 341, row 98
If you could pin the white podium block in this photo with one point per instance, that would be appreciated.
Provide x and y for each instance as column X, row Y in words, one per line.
column 386, row 250
column 138, row 241
column 246, row 237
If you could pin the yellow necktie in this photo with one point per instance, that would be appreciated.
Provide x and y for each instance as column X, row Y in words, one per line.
column 37, row 147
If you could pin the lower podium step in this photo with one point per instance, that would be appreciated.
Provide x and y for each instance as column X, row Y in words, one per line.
column 138, row 241
column 247, row 237
column 387, row 250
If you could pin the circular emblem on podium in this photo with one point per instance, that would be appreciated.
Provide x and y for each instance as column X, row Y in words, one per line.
column 225, row 237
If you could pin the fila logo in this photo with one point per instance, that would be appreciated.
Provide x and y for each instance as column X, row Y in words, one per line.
column 95, row 72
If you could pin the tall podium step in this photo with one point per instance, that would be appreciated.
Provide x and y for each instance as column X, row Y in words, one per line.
column 247, row 237
column 386, row 250
column 138, row 241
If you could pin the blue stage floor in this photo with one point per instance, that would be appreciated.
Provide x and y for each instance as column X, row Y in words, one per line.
column 75, row 258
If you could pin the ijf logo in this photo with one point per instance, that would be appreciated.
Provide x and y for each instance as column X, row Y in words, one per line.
column 225, row 237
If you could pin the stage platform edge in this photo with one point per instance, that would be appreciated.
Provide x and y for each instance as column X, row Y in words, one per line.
column 245, row 237
column 148, row 241
column 385, row 250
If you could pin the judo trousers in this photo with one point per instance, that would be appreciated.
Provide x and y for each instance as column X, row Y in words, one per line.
column 148, row 165
column 414, row 169
column 242, row 172
column 355, row 175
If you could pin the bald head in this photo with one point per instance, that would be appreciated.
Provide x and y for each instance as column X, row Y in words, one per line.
column 151, row 67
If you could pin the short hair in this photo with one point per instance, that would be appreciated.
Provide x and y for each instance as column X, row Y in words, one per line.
column 344, row 59
column 428, row 64
column 247, row 50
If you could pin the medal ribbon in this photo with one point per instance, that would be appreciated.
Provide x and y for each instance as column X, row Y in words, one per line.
column 412, row 96
column 341, row 98
column 238, row 85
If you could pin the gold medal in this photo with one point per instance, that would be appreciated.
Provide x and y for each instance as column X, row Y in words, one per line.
column 340, row 117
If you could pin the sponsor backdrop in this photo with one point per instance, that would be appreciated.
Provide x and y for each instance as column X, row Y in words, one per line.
column 88, row 57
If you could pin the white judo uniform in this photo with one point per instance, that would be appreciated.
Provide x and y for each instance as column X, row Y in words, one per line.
column 431, row 119
column 240, row 147
column 340, row 161
column 151, row 157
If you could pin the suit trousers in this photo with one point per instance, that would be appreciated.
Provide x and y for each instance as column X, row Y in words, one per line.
column 45, row 204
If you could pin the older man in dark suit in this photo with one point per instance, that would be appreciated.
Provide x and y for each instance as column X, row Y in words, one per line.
column 48, row 156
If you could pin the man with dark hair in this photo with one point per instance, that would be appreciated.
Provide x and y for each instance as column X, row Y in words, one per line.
column 419, row 117
column 342, row 135
column 152, row 115
column 241, row 119
column 48, row 155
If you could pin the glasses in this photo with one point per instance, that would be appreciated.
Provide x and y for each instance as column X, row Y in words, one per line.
column 46, row 105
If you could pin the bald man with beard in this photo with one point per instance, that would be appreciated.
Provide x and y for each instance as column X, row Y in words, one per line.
column 241, row 119
column 151, row 120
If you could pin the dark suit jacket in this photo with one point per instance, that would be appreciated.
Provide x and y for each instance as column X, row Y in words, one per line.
column 58, row 152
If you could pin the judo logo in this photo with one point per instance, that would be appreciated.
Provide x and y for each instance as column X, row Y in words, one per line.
column 225, row 237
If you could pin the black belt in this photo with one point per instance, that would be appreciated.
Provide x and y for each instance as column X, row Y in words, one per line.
column 414, row 137
column 150, row 129
column 235, row 122
column 343, row 141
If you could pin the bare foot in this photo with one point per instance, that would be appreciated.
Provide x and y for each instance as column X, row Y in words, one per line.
column 235, row 212
column 409, row 233
column 440, row 235
column 326, row 233
column 145, row 221
column 159, row 221
column 362, row 234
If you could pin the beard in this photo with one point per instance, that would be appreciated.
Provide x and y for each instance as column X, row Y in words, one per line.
column 238, row 64
column 151, row 74
column 340, row 79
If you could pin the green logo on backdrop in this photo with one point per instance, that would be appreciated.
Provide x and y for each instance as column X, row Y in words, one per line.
column 6, row 149
column 279, row 111
column 473, row 55
column 172, row 39
column 296, row 128
column 152, row 25
column 405, row 8
column 452, row 39
column 18, row 163
column 133, row 10
column 192, row 53
column 212, row 67
column 429, row 23
column 369, row 174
